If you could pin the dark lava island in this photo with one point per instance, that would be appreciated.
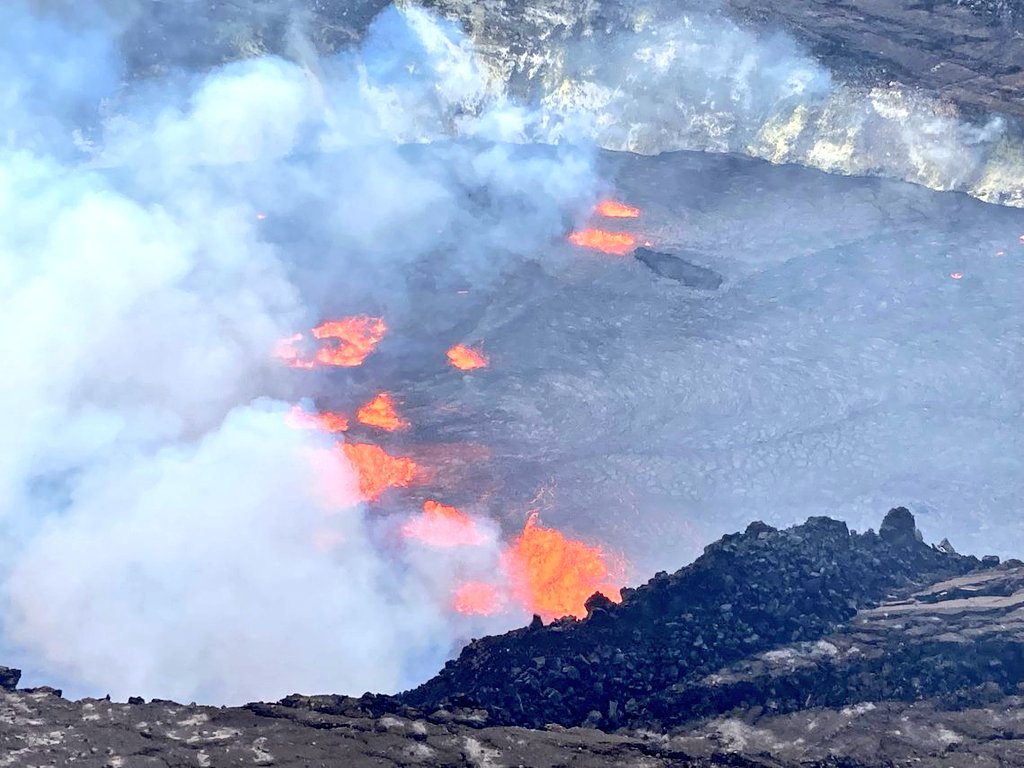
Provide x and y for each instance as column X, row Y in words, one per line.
column 810, row 646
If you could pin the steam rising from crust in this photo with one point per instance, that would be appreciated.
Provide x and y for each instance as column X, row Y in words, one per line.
column 442, row 525
column 378, row 470
column 328, row 421
column 164, row 240
column 164, row 531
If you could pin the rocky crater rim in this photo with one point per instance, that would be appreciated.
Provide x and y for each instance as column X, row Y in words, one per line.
column 749, row 593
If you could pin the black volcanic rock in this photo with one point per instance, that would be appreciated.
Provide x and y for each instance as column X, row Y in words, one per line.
column 9, row 678
column 898, row 527
column 677, row 268
column 960, row 641
column 635, row 663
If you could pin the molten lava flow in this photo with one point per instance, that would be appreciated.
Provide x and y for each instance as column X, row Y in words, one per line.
column 613, row 209
column 357, row 337
column 443, row 526
column 378, row 470
column 328, row 421
column 380, row 412
column 553, row 575
column 618, row 243
column 466, row 358
column 287, row 351
column 477, row 597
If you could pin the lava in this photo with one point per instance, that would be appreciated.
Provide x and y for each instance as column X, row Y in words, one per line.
column 287, row 351
column 466, row 358
column 380, row 412
column 618, row 243
column 328, row 421
column 443, row 526
column 378, row 470
column 357, row 337
column 477, row 597
column 613, row 209
column 554, row 575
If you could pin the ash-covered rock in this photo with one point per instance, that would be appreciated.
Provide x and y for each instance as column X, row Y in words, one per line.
column 638, row 663
column 38, row 730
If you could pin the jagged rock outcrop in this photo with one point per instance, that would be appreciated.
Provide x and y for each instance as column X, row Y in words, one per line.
column 635, row 664
column 9, row 678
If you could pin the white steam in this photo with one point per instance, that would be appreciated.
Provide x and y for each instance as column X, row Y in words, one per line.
column 667, row 78
column 164, row 533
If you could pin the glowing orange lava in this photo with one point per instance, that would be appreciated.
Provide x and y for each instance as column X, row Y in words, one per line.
column 618, row 243
column 357, row 337
column 466, row 358
column 553, row 575
column 378, row 470
column 443, row 526
column 380, row 412
column 287, row 351
column 613, row 209
column 477, row 597
column 328, row 421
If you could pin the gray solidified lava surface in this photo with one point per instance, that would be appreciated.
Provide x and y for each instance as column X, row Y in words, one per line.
column 927, row 675
column 825, row 372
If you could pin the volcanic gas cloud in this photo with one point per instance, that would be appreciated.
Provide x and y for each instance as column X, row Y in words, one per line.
column 162, row 233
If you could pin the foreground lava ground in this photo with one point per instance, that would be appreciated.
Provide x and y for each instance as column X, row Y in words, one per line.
column 927, row 675
column 42, row 730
